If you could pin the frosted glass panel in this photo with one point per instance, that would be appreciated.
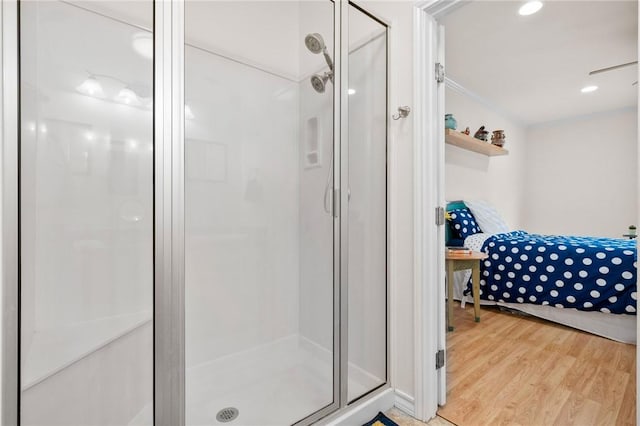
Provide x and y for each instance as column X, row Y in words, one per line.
column 259, row 243
column 367, row 205
column 86, row 214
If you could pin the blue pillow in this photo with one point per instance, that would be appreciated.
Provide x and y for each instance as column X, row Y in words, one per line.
column 462, row 223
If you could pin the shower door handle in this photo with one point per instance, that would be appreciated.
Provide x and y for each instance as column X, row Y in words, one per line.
column 336, row 202
column 330, row 202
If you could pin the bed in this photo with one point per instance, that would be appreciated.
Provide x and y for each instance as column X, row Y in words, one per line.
column 583, row 282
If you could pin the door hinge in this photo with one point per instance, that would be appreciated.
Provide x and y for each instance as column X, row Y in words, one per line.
column 336, row 202
column 440, row 216
column 439, row 72
column 440, row 359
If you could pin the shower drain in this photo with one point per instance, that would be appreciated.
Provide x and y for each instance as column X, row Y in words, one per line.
column 227, row 414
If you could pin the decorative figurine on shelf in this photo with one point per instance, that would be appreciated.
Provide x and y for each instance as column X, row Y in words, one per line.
column 450, row 122
column 498, row 138
column 467, row 131
column 482, row 134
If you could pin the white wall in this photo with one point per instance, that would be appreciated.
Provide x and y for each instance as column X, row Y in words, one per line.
column 250, row 31
column 554, row 180
column 241, row 212
column 472, row 176
column 581, row 176
column 316, row 225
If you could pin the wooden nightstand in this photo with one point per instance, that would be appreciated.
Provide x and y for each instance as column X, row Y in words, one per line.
column 460, row 262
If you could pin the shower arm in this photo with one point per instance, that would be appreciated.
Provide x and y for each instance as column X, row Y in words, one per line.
column 327, row 58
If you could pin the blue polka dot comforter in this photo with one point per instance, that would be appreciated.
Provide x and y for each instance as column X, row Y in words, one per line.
column 586, row 273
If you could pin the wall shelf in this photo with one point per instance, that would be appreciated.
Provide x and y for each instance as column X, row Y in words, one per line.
column 463, row 141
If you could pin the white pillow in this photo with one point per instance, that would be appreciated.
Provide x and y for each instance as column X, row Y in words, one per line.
column 487, row 217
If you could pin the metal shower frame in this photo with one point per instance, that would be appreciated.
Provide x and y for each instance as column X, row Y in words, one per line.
column 169, row 252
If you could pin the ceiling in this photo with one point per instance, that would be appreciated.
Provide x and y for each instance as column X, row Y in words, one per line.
column 533, row 67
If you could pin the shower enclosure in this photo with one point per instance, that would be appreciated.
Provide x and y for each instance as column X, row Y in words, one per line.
column 199, row 193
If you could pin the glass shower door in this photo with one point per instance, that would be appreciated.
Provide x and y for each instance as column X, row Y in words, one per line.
column 259, row 231
column 367, row 214
column 86, row 213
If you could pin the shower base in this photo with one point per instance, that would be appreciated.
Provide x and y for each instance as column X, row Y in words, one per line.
column 275, row 384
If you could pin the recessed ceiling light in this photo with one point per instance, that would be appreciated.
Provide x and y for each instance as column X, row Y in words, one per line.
column 143, row 44
column 529, row 8
column 589, row 89
column 351, row 91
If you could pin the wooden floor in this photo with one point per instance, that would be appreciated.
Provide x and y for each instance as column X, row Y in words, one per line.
column 515, row 370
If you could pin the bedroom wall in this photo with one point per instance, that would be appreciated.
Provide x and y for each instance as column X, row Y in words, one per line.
column 591, row 164
column 469, row 175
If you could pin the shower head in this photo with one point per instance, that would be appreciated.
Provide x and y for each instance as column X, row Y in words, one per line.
column 319, row 82
column 314, row 42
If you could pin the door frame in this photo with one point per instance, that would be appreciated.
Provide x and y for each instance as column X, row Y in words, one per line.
column 168, row 206
column 428, row 153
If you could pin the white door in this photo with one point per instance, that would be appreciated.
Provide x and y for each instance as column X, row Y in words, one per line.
column 438, row 139
column 430, row 322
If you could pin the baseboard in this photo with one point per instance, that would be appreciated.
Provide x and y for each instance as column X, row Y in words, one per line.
column 404, row 403
column 362, row 411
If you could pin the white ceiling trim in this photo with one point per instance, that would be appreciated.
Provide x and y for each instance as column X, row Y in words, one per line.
column 440, row 8
column 457, row 87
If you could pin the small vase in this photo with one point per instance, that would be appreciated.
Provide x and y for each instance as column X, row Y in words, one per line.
column 450, row 122
column 498, row 138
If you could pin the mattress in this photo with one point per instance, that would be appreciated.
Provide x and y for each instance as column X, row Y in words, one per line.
column 584, row 283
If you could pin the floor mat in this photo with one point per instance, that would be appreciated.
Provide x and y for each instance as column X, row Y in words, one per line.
column 381, row 420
